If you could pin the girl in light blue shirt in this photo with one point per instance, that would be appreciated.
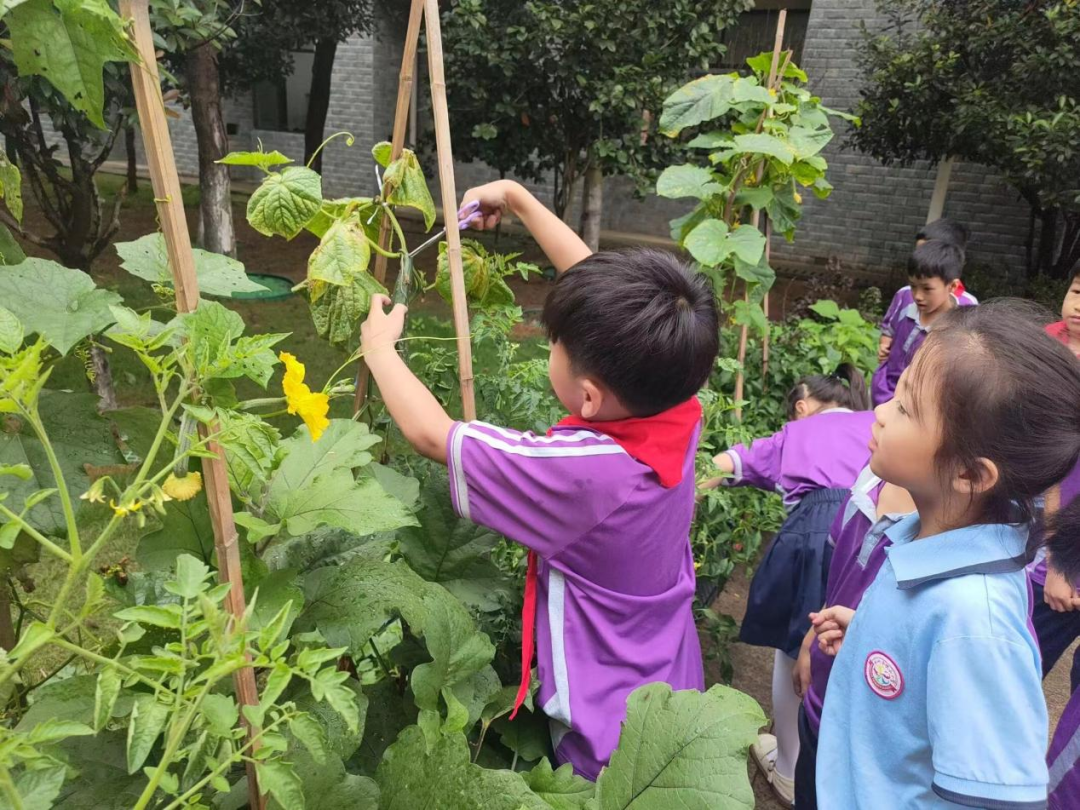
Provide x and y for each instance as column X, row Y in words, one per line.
column 935, row 699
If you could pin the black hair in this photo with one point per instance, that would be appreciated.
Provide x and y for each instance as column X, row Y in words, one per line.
column 641, row 322
column 936, row 259
column 944, row 230
column 846, row 387
column 1009, row 393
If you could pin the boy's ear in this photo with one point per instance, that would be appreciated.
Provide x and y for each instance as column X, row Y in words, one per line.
column 980, row 479
column 593, row 398
column 953, row 286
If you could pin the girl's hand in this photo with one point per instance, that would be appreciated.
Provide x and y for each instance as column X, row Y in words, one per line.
column 1058, row 592
column 800, row 673
column 883, row 348
column 494, row 201
column 831, row 625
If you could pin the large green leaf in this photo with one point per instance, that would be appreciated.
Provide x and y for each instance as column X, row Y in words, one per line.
column 217, row 349
column 687, row 181
column 696, row 102
column 747, row 243
column 454, row 552
column 280, row 780
column 806, row 142
column 404, row 184
column 315, row 484
column 68, row 42
column 103, row 782
column 11, row 192
column 414, row 775
column 350, row 603
column 763, row 144
column 343, row 252
column 342, row 740
column 37, row 789
column 79, row 436
column 328, row 786
column 60, row 304
column 285, row 201
column 10, row 250
column 148, row 719
column 682, row 749
column 218, row 275
column 185, row 529
column 338, row 311
column 562, row 789
column 264, row 160
column 708, row 242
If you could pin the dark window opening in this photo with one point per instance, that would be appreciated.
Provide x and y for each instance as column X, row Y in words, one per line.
column 283, row 105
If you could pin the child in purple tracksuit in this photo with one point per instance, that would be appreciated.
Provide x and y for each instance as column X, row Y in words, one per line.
column 604, row 502
column 859, row 544
column 934, row 272
column 811, row 462
column 941, row 230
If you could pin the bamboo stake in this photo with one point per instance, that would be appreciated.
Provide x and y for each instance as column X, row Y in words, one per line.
column 166, row 183
column 744, row 335
column 406, row 93
column 449, row 201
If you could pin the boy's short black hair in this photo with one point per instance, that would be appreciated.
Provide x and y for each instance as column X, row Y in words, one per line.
column 936, row 259
column 641, row 322
column 944, row 230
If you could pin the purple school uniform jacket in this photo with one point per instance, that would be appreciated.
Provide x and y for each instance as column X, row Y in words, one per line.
column 1063, row 759
column 615, row 572
column 903, row 299
column 823, row 451
column 1070, row 488
column 908, row 336
column 860, row 542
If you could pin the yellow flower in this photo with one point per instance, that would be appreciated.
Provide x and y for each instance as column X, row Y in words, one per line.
column 122, row 510
column 772, row 92
column 96, row 493
column 183, row 488
column 311, row 407
column 798, row 198
column 697, row 565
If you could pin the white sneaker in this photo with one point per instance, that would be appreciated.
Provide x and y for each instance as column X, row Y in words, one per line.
column 764, row 753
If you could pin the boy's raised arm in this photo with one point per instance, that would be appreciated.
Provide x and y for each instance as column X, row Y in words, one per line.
column 558, row 240
column 424, row 423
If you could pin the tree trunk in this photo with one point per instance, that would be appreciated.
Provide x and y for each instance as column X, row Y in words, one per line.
column 592, row 205
column 319, row 100
column 132, row 170
column 1048, row 239
column 215, row 204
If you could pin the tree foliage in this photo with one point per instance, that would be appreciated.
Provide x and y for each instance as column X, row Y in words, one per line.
column 548, row 86
column 992, row 82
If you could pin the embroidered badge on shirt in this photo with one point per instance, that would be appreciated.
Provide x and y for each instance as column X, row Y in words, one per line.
column 883, row 675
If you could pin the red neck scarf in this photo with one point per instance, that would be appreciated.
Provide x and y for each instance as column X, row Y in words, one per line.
column 659, row 442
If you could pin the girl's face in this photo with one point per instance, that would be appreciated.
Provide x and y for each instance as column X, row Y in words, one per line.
column 903, row 447
column 1070, row 308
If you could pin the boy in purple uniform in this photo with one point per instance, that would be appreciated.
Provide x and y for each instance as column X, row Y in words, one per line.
column 859, row 546
column 941, row 230
column 604, row 502
column 934, row 272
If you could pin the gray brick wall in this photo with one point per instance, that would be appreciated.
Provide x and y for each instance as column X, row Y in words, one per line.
column 868, row 223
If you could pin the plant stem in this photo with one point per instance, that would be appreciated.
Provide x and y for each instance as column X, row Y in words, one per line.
column 30, row 530
column 176, row 738
column 252, row 404
column 162, row 430
column 61, row 485
column 379, row 658
column 8, row 786
column 237, row 757
column 349, row 140
column 112, row 662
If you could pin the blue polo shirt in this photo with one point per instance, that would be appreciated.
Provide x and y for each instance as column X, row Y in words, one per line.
column 935, row 699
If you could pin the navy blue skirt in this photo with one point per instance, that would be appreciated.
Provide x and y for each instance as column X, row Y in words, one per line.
column 789, row 583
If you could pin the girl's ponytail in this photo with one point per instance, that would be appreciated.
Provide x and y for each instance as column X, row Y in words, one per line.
column 858, row 395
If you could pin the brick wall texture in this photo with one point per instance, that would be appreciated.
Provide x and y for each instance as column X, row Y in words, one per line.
column 867, row 224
